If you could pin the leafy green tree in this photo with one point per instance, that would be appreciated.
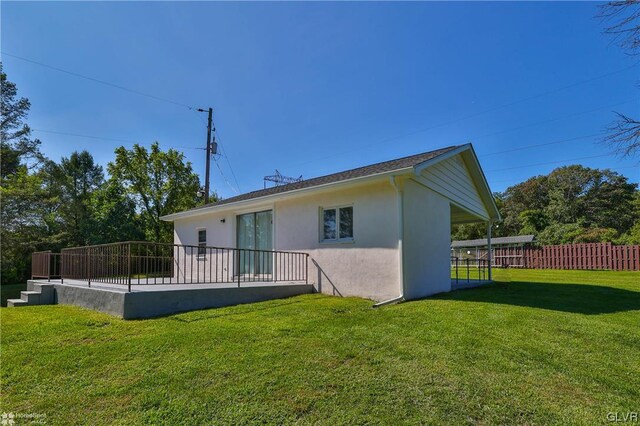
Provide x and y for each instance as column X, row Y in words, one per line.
column 584, row 203
column 22, row 201
column 473, row 231
column 560, row 233
column 632, row 236
column 469, row 231
column 609, row 201
column 600, row 198
column 532, row 221
column 23, row 227
column 596, row 235
column 532, row 194
column 115, row 215
column 74, row 181
column 16, row 146
column 159, row 182
column 567, row 189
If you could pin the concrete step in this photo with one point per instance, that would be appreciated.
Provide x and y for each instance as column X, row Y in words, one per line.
column 36, row 294
column 46, row 291
column 31, row 297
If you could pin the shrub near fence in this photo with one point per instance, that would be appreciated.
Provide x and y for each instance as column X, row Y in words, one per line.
column 572, row 256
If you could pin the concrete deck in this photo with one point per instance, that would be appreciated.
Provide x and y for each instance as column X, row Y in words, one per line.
column 152, row 300
column 148, row 285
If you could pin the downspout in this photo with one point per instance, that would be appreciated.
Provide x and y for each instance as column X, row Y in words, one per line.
column 489, row 256
column 400, row 198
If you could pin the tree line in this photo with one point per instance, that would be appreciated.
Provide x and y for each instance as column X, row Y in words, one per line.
column 49, row 205
column 572, row 204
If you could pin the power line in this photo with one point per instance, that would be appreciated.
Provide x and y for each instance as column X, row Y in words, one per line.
column 550, row 92
column 226, row 157
column 550, row 162
column 492, row 181
column 506, row 105
column 537, row 123
column 225, row 179
column 536, row 96
column 479, row 137
column 95, row 80
column 521, row 148
column 77, row 135
column 519, row 101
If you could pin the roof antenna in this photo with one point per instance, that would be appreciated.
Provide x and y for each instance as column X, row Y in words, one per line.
column 279, row 180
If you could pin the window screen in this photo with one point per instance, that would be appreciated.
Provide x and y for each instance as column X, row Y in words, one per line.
column 202, row 242
column 337, row 223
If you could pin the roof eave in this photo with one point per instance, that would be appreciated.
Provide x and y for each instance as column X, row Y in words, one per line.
column 287, row 194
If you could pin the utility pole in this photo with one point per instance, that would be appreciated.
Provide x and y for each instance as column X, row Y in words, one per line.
column 208, row 151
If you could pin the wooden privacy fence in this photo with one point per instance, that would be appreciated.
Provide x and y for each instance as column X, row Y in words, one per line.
column 571, row 256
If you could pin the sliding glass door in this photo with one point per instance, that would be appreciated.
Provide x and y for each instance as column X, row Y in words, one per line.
column 255, row 232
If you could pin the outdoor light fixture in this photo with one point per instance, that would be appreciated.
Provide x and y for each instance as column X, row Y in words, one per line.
column 223, row 220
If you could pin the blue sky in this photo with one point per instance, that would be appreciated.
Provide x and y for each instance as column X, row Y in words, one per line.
column 315, row 88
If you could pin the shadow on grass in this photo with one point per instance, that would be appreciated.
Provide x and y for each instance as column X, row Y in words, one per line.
column 575, row 298
column 210, row 313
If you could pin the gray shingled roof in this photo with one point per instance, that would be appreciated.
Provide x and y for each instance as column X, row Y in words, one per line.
column 373, row 169
column 518, row 239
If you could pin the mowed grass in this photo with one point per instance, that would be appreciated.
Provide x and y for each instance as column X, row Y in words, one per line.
column 537, row 347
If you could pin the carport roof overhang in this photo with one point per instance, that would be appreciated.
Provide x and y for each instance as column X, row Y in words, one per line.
column 460, row 216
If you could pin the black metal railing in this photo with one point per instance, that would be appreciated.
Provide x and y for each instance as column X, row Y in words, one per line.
column 138, row 262
column 45, row 264
column 469, row 269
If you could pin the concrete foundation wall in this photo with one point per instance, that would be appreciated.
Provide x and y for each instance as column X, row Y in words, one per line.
column 109, row 302
column 149, row 304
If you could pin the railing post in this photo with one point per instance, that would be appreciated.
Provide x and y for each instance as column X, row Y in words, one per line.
column 467, row 260
column 457, row 266
column 89, row 267
column 238, row 265
column 306, row 269
column 129, row 267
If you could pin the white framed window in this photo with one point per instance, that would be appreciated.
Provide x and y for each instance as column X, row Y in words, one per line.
column 202, row 242
column 336, row 224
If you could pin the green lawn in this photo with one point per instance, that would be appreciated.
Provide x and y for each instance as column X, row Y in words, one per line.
column 538, row 347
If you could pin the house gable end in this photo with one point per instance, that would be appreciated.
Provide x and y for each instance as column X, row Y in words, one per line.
column 451, row 178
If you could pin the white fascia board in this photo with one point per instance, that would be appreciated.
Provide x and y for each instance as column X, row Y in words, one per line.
column 483, row 179
column 419, row 168
column 245, row 204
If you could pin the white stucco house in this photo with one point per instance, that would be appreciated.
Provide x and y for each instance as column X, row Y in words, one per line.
column 381, row 231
